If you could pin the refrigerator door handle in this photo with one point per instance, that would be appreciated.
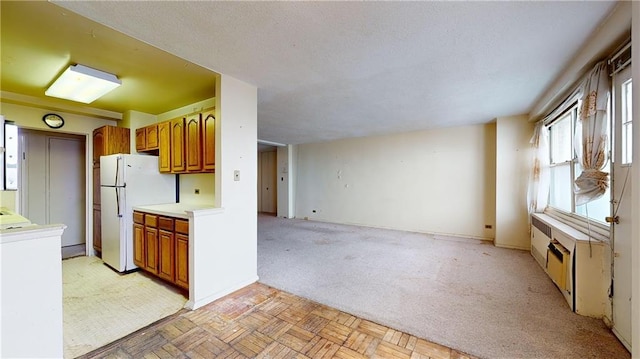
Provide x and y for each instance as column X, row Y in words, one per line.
column 117, row 173
column 118, row 201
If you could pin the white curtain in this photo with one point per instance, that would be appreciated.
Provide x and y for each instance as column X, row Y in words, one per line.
column 591, row 136
column 538, row 191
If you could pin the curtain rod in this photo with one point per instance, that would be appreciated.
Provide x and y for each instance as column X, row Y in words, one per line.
column 572, row 97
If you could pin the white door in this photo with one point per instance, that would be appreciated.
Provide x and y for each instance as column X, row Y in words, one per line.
column 622, row 187
column 53, row 182
column 67, row 188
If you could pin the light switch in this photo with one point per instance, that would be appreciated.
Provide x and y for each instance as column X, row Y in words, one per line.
column 236, row 175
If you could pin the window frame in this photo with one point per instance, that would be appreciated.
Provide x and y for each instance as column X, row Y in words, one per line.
column 573, row 110
column 598, row 229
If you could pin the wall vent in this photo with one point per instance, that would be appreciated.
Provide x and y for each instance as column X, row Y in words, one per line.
column 543, row 227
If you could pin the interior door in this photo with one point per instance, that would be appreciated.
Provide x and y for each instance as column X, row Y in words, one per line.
column 268, row 182
column 67, row 188
column 622, row 187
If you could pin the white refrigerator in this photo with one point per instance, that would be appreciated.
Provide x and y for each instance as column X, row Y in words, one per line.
column 127, row 181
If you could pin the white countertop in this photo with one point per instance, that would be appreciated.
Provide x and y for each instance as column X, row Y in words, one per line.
column 30, row 232
column 178, row 210
column 10, row 219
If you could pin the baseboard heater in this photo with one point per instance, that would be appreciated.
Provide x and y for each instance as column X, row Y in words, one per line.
column 557, row 263
column 575, row 264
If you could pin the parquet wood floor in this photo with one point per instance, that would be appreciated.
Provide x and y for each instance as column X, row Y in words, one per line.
column 262, row 322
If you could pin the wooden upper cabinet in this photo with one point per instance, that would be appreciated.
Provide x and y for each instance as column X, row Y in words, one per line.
column 147, row 138
column 193, row 143
column 99, row 135
column 141, row 139
column 178, row 160
column 151, row 134
column 183, row 145
column 208, row 141
column 108, row 140
column 164, row 146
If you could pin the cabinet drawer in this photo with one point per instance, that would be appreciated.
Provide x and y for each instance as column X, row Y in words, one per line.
column 151, row 220
column 165, row 223
column 182, row 226
column 138, row 217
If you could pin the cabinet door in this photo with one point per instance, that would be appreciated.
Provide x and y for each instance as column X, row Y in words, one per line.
column 99, row 142
column 152, row 249
column 208, row 142
column 138, row 245
column 97, row 229
column 182, row 260
column 177, row 146
column 193, row 143
column 141, row 139
column 151, row 136
column 117, row 140
column 167, row 255
column 164, row 146
column 96, row 184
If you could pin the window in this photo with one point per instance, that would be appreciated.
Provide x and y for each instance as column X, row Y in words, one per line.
column 561, row 161
column 565, row 168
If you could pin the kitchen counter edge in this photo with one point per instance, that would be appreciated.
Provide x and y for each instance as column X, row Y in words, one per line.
column 177, row 210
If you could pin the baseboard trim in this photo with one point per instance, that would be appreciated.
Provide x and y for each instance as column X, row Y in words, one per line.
column 193, row 304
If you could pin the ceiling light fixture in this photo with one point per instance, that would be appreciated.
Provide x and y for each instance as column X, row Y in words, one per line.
column 82, row 84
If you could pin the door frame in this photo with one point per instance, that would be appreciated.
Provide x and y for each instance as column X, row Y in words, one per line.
column 624, row 174
column 88, row 220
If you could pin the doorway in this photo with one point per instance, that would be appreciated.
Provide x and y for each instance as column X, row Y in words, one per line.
column 267, row 181
column 53, row 184
column 621, row 206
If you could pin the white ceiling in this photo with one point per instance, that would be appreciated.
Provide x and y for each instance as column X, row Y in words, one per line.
column 329, row 70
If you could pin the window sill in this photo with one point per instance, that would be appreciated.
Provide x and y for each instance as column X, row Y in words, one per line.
column 597, row 231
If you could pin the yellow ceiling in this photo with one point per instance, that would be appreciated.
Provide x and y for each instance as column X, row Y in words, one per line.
column 39, row 40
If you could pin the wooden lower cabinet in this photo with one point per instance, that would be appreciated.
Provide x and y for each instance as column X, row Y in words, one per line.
column 167, row 256
column 151, row 257
column 138, row 245
column 97, row 228
column 160, row 248
column 182, row 260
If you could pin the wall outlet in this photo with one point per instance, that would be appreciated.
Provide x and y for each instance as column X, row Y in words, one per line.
column 488, row 226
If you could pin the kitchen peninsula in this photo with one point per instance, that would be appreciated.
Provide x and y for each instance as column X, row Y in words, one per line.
column 166, row 238
column 31, row 290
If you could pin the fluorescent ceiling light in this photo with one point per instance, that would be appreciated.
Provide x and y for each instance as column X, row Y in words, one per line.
column 82, row 84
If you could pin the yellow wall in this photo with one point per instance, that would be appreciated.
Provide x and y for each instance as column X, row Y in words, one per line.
column 513, row 161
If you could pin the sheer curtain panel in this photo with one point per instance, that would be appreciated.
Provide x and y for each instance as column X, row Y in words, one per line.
column 538, row 191
column 591, row 136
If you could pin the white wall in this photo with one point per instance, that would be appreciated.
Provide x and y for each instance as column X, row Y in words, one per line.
column 513, row 161
column 285, row 173
column 437, row 181
column 223, row 243
column 635, row 195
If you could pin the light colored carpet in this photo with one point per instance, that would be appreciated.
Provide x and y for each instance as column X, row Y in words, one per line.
column 100, row 305
column 466, row 294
